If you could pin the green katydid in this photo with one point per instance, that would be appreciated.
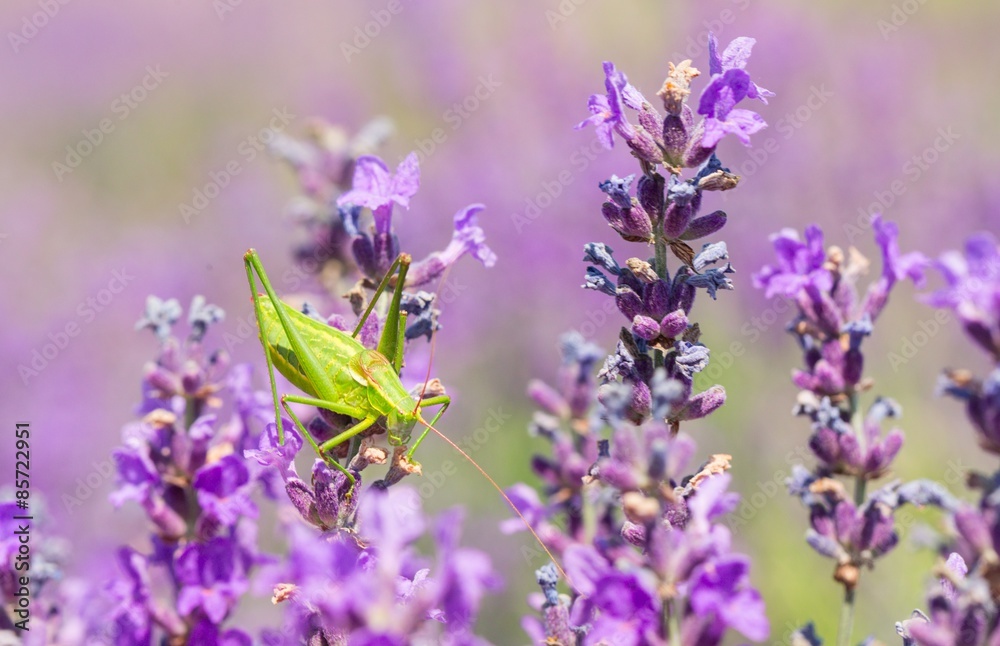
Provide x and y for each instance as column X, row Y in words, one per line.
column 335, row 370
column 340, row 375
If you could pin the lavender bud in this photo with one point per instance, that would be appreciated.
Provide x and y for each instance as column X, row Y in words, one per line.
column 650, row 193
column 673, row 324
column 705, row 225
column 645, row 328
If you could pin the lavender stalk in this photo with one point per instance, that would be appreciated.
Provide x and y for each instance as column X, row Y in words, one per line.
column 638, row 532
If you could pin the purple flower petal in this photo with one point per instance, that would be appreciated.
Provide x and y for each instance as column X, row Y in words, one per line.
column 270, row 453
column 137, row 476
column 223, row 491
column 374, row 187
column 735, row 56
column 607, row 114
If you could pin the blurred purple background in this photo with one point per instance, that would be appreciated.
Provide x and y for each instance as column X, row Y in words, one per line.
column 879, row 105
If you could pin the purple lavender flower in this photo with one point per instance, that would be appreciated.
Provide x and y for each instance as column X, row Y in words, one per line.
column 211, row 578
column 327, row 503
column 982, row 403
column 640, row 542
column 625, row 214
column 206, row 632
column 973, row 290
column 895, row 267
column 465, row 576
column 324, row 163
column 467, row 238
column 271, row 453
column 962, row 608
column 721, row 590
column 722, row 117
column 376, row 188
column 182, row 467
column 801, row 264
column 615, row 603
column 369, row 585
column 675, row 140
column 133, row 616
column 607, row 112
column 837, row 446
column 223, row 490
column 853, row 529
column 832, row 322
column 735, row 56
column 137, row 476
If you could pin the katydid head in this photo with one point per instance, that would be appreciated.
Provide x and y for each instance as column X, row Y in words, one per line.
column 399, row 425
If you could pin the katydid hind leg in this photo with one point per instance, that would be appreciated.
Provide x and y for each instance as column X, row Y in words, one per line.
column 285, row 401
column 267, row 355
column 312, row 368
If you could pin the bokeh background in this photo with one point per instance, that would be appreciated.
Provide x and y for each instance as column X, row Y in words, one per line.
column 861, row 88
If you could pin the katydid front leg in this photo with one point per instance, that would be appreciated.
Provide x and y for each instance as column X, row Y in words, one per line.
column 323, row 450
column 445, row 401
